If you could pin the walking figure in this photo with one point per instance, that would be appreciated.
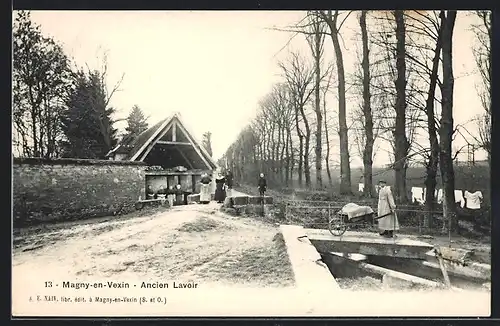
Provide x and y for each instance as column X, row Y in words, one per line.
column 262, row 185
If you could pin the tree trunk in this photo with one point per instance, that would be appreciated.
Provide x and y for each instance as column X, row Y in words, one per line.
column 327, row 155
column 367, row 112
column 446, row 123
column 307, row 142
column 34, row 109
column 432, row 164
column 272, row 175
column 345, row 167
column 301, row 146
column 401, row 142
column 292, row 157
column 287, row 159
column 317, row 106
column 282, row 158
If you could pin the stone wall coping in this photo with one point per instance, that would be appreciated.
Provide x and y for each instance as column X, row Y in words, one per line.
column 174, row 173
column 71, row 161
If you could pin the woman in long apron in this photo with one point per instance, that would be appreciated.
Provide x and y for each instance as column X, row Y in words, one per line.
column 220, row 193
column 387, row 208
column 205, row 189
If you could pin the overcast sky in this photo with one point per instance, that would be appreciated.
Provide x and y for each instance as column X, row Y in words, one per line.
column 212, row 66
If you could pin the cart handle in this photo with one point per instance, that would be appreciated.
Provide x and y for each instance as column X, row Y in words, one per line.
column 379, row 217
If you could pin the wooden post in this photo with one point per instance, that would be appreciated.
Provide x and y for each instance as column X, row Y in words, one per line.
column 329, row 213
column 443, row 267
column 286, row 211
column 174, row 131
column 420, row 225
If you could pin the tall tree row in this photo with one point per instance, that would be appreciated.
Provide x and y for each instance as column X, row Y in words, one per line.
column 404, row 85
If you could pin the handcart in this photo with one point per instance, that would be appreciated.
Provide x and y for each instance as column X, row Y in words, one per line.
column 351, row 215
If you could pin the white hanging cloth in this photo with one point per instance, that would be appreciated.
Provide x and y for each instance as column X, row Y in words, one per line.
column 473, row 200
column 459, row 198
column 439, row 195
column 417, row 194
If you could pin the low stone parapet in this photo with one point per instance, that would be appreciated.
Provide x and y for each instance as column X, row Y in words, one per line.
column 252, row 209
column 258, row 200
column 193, row 198
column 250, row 205
column 237, row 201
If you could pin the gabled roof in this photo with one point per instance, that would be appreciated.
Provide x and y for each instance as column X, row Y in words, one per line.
column 135, row 149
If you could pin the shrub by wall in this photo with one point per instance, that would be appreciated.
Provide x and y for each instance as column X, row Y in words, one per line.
column 69, row 189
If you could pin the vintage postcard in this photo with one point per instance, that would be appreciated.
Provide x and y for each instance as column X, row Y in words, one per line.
column 251, row 163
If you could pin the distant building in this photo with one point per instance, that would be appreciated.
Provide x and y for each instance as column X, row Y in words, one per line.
column 173, row 155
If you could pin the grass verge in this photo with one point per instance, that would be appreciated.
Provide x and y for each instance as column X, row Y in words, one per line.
column 202, row 224
column 266, row 264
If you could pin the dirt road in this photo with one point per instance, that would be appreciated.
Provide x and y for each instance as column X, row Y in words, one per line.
column 195, row 242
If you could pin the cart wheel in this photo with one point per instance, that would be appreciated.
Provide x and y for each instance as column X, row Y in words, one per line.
column 337, row 228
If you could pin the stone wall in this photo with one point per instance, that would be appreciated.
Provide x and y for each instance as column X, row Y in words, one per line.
column 69, row 189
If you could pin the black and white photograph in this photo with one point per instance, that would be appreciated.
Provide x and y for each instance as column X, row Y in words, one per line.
column 331, row 163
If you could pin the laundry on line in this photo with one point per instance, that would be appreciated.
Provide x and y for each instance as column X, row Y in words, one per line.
column 473, row 200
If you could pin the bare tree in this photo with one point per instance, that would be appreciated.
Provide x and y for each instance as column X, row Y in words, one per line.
column 395, row 89
column 402, row 144
column 100, row 77
column 283, row 114
column 429, row 27
column 332, row 21
column 482, row 55
column 367, row 111
column 299, row 76
column 316, row 42
column 325, row 91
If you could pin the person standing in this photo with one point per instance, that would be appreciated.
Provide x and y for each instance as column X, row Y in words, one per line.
column 229, row 182
column 220, row 193
column 171, row 196
column 205, row 189
column 179, row 195
column 386, row 208
column 262, row 184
